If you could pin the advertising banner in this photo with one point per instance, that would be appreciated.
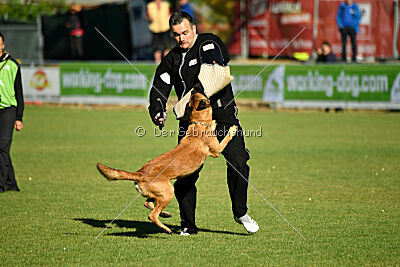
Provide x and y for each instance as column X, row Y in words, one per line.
column 273, row 24
column 86, row 79
column 366, row 84
column 286, row 19
column 41, row 83
column 257, row 27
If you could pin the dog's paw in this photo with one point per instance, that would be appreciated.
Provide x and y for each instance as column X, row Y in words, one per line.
column 233, row 130
column 213, row 125
column 165, row 214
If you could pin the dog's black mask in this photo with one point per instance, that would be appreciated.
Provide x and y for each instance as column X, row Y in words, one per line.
column 203, row 104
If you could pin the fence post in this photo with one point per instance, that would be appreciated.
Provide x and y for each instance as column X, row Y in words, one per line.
column 396, row 28
column 243, row 30
column 40, row 39
column 315, row 29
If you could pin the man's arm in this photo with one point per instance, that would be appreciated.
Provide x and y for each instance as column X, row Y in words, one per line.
column 339, row 16
column 20, row 100
column 224, row 51
column 358, row 15
column 160, row 90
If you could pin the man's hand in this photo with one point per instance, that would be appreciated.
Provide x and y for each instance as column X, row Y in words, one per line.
column 18, row 125
column 159, row 120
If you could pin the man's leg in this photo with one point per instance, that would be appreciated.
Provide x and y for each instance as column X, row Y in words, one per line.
column 186, row 192
column 344, row 42
column 352, row 33
column 79, row 47
column 7, row 176
column 238, row 171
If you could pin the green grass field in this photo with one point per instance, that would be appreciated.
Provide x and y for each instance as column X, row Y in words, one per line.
column 335, row 176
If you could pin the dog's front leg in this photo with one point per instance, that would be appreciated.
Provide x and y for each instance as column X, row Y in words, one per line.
column 216, row 148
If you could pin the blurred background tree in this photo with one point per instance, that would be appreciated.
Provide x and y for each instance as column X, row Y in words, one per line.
column 215, row 16
column 27, row 11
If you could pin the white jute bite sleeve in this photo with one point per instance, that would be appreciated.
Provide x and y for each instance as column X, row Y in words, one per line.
column 213, row 78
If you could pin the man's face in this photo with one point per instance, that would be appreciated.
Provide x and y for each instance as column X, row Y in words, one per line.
column 2, row 46
column 184, row 34
column 326, row 50
column 349, row 2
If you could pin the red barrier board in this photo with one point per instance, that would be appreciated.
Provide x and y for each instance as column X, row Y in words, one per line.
column 272, row 24
column 376, row 28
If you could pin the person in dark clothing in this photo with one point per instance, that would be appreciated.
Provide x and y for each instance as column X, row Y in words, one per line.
column 348, row 20
column 325, row 54
column 180, row 68
column 11, row 111
column 76, row 31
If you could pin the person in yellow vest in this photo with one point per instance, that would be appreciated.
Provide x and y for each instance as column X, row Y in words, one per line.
column 11, row 111
column 158, row 13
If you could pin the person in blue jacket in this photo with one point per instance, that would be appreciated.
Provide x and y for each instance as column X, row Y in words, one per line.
column 185, row 7
column 348, row 20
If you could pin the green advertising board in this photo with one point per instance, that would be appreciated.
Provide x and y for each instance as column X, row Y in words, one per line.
column 278, row 83
column 88, row 79
column 318, row 82
column 338, row 82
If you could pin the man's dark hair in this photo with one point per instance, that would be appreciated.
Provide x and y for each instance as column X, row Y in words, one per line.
column 2, row 37
column 177, row 18
column 327, row 44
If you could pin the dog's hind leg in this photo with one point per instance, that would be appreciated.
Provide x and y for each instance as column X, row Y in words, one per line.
column 161, row 203
column 149, row 203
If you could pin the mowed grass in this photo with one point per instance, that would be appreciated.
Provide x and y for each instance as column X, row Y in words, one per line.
column 334, row 176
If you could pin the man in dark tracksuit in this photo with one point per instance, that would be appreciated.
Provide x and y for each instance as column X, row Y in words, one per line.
column 11, row 111
column 180, row 68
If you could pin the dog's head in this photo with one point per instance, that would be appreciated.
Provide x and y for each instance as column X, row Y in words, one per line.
column 199, row 107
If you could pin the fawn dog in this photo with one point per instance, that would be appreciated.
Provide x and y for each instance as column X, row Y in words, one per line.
column 200, row 141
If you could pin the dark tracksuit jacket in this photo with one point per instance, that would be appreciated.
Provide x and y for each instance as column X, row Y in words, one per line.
column 180, row 69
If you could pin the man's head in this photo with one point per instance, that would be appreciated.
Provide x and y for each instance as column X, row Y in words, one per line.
column 183, row 2
column 183, row 30
column 326, row 48
column 2, row 44
column 75, row 8
column 348, row 2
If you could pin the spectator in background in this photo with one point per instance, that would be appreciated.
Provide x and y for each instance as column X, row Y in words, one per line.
column 76, row 31
column 325, row 54
column 158, row 13
column 348, row 20
column 185, row 7
column 11, row 111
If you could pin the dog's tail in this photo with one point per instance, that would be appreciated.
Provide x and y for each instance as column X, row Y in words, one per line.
column 114, row 174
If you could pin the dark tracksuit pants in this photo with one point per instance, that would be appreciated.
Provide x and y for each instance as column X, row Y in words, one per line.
column 349, row 31
column 7, row 177
column 235, row 153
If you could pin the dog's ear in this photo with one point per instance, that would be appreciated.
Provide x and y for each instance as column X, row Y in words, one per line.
column 188, row 112
column 198, row 88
